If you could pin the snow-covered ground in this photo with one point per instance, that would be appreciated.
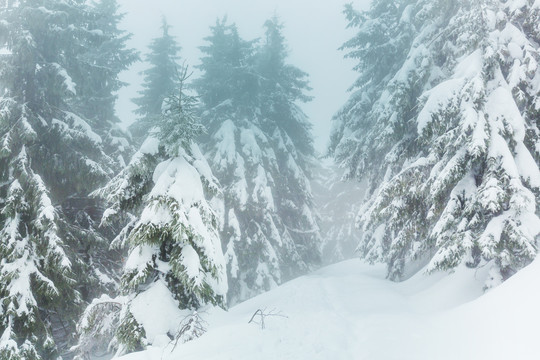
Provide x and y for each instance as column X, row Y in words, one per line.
column 350, row 311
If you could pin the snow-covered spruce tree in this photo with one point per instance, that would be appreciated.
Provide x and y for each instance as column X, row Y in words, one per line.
column 260, row 148
column 160, row 80
column 49, row 155
column 175, row 252
column 282, row 86
column 444, row 125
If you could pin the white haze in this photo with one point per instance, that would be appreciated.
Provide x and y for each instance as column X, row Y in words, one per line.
column 314, row 30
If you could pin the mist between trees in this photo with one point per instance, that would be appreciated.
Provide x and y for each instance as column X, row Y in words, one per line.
column 216, row 194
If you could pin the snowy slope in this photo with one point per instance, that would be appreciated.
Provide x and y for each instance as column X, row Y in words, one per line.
column 350, row 311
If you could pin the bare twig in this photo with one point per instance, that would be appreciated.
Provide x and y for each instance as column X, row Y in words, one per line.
column 262, row 313
column 192, row 327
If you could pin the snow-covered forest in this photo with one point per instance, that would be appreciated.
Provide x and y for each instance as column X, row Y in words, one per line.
column 208, row 180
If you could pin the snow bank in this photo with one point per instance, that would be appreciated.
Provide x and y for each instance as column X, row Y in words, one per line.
column 157, row 320
column 350, row 311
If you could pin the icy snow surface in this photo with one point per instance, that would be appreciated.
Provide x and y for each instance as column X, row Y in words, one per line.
column 350, row 311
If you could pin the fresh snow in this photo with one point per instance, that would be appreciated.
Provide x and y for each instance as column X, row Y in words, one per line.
column 68, row 81
column 150, row 146
column 226, row 149
column 466, row 70
column 157, row 320
column 350, row 311
column 139, row 257
column 178, row 179
column 192, row 262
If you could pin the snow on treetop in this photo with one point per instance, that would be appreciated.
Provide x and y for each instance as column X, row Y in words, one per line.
column 178, row 179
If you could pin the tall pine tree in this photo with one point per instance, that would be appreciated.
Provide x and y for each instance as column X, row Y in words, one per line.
column 260, row 148
column 49, row 154
column 444, row 125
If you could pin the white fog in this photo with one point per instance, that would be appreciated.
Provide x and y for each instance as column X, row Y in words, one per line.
column 267, row 180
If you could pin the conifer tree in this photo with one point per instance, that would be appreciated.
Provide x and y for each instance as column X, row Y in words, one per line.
column 168, row 192
column 260, row 149
column 443, row 125
column 160, row 80
column 96, row 73
column 50, row 154
column 96, row 69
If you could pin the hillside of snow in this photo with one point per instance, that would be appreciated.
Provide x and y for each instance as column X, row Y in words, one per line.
column 350, row 311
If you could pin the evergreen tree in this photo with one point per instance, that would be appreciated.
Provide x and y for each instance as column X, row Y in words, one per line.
column 160, row 80
column 96, row 67
column 260, row 148
column 443, row 125
column 226, row 65
column 174, row 246
column 96, row 73
column 50, row 155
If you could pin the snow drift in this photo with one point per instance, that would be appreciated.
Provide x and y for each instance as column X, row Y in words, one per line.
column 350, row 311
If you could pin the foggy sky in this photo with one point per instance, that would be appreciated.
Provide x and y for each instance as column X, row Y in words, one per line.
column 314, row 30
